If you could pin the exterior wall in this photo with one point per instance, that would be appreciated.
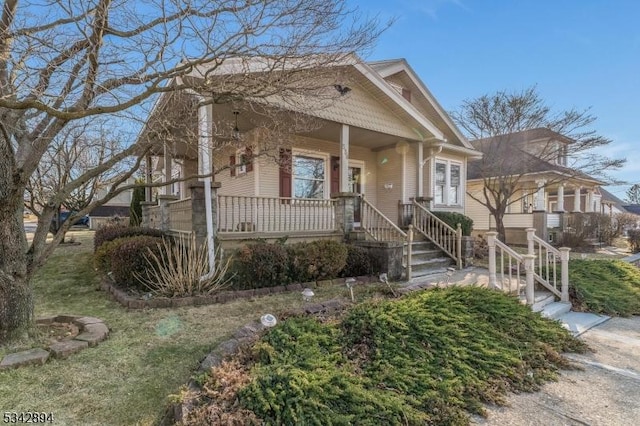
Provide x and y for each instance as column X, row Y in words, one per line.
column 463, row 187
column 240, row 184
column 390, row 172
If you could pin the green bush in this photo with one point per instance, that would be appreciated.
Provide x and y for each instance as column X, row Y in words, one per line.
column 429, row 358
column 260, row 265
column 135, row 208
column 452, row 219
column 358, row 262
column 317, row 260
column 111, row 232
column 128, row 261
column 634, row 239
column 102, row 256
column 611, row 287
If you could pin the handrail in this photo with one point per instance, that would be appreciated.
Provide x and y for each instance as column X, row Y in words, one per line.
column 447, row 238
column 546, row 272
column 376, row 224
column 521, row 263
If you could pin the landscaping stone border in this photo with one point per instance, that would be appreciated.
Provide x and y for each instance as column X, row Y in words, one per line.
column 91, row 332
column 141, row 302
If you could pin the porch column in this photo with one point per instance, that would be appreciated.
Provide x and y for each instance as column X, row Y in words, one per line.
column 420, row 169
column 576, row 199
column 344, row 158
column 560, row 206
column 168, row 160
column 148, row 194
column 540, row 202
column 588, row 202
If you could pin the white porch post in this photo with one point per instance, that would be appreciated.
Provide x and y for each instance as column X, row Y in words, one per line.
column 168, row 162
column 420, row 169
column 560, row 206
column 588, row 203
column 148, row 194
column 344, row 158
column 540, row 202
column 576, row 199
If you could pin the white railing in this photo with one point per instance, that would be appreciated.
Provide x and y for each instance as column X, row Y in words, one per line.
column 448, row 239
column 540, row 264
column 180, row 215
column 547, row 260
column 377, row 225
column 243, row 214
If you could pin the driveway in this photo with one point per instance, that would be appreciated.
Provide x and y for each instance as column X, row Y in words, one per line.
column 605, row 392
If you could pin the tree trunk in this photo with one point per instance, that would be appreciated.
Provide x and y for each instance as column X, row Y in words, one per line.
column 16, row 295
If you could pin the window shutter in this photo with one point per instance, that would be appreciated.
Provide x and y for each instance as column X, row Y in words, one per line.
column 285, row 173
column 249, row 155
column 232, row 164
column 335, row 175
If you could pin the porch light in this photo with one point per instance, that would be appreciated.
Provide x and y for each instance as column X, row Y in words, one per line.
column 388, row 186
column 236, row 129
column 268, row 320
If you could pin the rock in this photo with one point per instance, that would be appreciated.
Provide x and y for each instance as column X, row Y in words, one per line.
column 93, row 334
column 19, row 359
column 63, row 349
column 82, row 321
column 229, row 347
column 210, row 361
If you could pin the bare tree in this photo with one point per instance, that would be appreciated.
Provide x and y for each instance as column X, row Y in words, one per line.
column 496, row 122
column 71, row 61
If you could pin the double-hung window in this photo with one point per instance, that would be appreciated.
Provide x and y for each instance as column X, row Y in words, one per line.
column 448, row 183
column 309, row 176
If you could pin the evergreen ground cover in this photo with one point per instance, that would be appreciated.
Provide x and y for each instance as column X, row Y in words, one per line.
column 429, row 358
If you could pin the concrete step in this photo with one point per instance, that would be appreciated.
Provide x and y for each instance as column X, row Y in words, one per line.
column 421, row 245
column 431, row 266
column 422, row 255
column 438, row 274
column 579, row 322
column 542, row 299
column 555, row 310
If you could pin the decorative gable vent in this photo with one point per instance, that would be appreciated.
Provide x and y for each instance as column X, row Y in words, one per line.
column 396, row 87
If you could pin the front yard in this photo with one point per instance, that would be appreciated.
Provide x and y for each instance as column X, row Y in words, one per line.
column 148, row 355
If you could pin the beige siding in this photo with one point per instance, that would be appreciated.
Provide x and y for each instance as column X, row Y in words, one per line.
column 475, row 210
column 241, row 184
column 389, row 172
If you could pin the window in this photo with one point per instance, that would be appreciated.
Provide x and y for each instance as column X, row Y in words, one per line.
column 308, row 177
column 448, row 183
column 242, row 162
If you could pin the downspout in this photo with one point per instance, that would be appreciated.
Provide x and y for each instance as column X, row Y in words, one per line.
column 204, row 153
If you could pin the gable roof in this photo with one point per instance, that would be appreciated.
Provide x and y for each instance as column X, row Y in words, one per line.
column 507, row 147
column 632, row 208
column 609, row 198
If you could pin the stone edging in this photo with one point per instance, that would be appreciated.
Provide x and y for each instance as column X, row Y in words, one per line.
column 244, row 336
column 92, row 331
column 133, row 302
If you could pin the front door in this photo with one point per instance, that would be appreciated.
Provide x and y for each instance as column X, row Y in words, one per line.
column 355, row 186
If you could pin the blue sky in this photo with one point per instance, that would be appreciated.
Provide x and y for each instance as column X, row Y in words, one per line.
column 579, row 53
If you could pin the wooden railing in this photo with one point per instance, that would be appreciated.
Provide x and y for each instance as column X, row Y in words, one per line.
column 378, row 226
column 405, row 213
column 540, row 265
column 509, row 271
column 243, row 214
column 448, row 239
column 180, row 215
column 547, row 261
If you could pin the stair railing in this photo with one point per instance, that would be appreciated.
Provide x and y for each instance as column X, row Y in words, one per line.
column 447, row 238
column 514, row 264
column 547, row 259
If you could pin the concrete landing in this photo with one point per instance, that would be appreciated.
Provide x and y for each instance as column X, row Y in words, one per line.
column 579, row 322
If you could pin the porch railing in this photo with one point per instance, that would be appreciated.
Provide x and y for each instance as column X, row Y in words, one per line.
column 180, row 215
column 378, row 226
column 448, row 239
column 547, row 261
column 540, row 264
column 244, row 214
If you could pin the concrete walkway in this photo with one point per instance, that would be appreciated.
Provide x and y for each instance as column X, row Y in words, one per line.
column 605, row 392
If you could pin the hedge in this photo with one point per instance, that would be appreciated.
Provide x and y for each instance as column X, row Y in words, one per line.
column 112, row 232
column 452, row 219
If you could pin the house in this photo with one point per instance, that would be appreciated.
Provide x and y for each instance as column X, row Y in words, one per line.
column 548, row 194
column 116, row 208
column 382, row 148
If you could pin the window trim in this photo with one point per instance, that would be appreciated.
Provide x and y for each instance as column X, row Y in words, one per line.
column 312, row 154
column 447, row 184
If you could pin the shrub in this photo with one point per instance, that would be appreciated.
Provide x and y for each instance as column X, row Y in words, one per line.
column 111, row 232
column 260, row 265
column 453, row 219
column 102, row 256
column 634, row 239
column 182, row 269
column 129, row 261
column 358, row 262
column 135, row 208
column 317, row 260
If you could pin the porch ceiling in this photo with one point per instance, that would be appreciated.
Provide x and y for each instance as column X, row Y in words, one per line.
column 358, row 136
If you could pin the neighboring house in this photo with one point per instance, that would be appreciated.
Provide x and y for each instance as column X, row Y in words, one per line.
column 548, row 192
column 382, row 144
column 115, row 208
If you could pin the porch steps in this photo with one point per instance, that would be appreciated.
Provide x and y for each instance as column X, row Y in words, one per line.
column 427, row 259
